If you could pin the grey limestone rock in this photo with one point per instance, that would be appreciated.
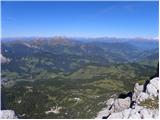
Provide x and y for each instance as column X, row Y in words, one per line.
column 8, row 114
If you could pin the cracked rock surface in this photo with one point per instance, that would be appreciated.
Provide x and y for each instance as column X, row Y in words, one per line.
column 134, row 106
column 8, row 114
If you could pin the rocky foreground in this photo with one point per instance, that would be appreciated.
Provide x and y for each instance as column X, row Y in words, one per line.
column 8, row 114
column 141, row 104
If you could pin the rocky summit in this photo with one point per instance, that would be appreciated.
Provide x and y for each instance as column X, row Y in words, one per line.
column 141, row 104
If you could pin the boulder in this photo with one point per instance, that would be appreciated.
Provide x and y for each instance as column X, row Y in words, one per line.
column 145, row 114
column 151, row 91
column 134, row 115
column 155, row 82
column 153, row 87
column 116, row 115
column 121, row 104
column 4, row 59
column 126, row 113
column 110, row 102
column 138, row 113
column 137, row 90
column 103, row 113
column 106, row 111
column 142, row 96
column 8, row 114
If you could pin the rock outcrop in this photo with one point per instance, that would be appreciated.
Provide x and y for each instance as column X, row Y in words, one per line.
column 143, row 103
column 4, row 59
column 8, row 114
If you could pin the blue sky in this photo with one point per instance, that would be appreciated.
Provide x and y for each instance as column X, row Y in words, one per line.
column 80, row 19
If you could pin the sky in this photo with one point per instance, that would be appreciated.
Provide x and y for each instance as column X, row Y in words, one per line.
column 79, row 19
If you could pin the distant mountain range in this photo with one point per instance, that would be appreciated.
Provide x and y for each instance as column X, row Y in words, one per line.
column 71, row 75
column 143, row 42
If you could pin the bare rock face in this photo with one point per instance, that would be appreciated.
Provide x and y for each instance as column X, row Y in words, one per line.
column 141, row 97
column 121, row 104
column 137, row 90
column 131, row 107
column 137, row 113
column 155, row 82
column 108, row 110
column 4, row 59
column 115, row 105
column 153, row 88
column 8, row 114
column 152, row 91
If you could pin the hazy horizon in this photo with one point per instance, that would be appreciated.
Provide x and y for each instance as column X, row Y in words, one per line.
column 81, row 37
